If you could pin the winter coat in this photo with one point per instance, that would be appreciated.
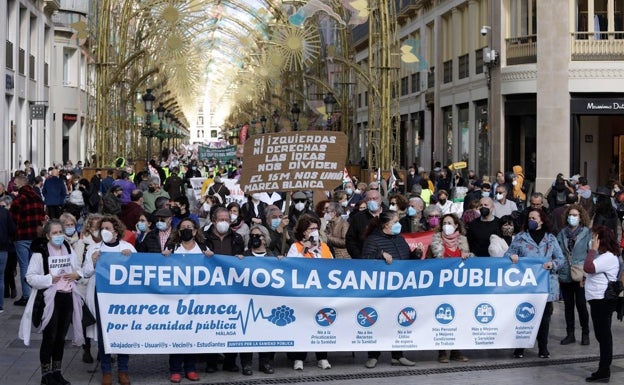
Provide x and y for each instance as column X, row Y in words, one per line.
column 578, row 253
column 548, row 250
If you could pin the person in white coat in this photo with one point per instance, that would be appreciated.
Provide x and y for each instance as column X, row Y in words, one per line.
column 500, row 241
column 54, row 270
column 110, row 230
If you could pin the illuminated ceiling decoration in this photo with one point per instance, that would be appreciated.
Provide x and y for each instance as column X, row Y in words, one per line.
column 299, row 47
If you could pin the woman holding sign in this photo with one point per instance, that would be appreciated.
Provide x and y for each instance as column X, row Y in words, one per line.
column 537, row 241
column 53, row 271
column 308, row 244
column 110, row 230
column 383, row 240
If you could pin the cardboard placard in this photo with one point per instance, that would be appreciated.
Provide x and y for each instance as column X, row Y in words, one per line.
column 293, row 161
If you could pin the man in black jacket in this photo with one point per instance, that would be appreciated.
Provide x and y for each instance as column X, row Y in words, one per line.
column 359, row 222
column 222, row 240
column 155, row 240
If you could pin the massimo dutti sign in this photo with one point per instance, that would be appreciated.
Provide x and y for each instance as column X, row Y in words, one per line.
column 597, row 106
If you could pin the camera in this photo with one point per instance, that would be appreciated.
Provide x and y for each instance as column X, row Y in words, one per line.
column 484, row 31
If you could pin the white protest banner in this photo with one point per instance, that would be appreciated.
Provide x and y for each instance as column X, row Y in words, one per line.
column 290, row 161
column 193, row 304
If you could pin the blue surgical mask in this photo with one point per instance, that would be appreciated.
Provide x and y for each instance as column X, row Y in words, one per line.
column 275, row 222
column 349, row 191
column 142, row 226
column 485, row 194
column 162, row 226
column 69, row 231
column 396, row 228
column 411, row 211
column 573, row 220
column 58, row 240
column 533, row 225
column 372, row 206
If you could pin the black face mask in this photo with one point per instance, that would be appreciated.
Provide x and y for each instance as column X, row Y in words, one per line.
column 176, row 211
column 255, row 241
column 186, row 235
column 484, row 212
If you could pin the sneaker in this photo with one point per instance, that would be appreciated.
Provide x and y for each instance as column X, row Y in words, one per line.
column 1, row 310
column 402, row 361
column 266, row 368
column 247, row 371
column 175, row 378
column 60, row 380
column 518, row 353
column 192, row 376
column 21, row 302
column 371, row 363
column 298, row 365
column 324, row 364
column 544, row 354
column 570, row 339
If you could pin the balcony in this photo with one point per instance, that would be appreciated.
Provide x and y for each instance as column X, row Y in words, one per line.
column 521, row 50
column 591, row 46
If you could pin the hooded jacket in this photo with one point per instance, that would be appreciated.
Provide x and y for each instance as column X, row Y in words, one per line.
column 518, row 194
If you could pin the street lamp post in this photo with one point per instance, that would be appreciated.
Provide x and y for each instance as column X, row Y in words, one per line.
column 263, row 121
column 276, row 119
column 294, row 112
column 148, row 104
column 160, row 111
column 329, row 101
column 168, row 117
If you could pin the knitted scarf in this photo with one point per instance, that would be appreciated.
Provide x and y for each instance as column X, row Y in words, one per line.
column 450, row 241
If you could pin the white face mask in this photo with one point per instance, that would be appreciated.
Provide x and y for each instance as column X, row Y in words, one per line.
column 206, row 206
column 314, row 235
column 107, row 236
column 358, row 191
column 300, row 206
column 499, row 197
column 392, row 207
column 233, row 217
column 344, row 204
column 448, row 229
column 223, row 227
column 327, row 217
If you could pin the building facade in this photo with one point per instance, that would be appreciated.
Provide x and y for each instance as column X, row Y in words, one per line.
column 27, row 53
column 510, row 82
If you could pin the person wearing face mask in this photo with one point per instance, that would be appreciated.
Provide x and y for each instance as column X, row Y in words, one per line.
column 503, row 205
column 254, row 210
column 479, row 230
column 143, row 227
column 449, row 241
column 186, row 239
column 300, row 205
column 383, row 241
column 320, row 210
column 537, row 241
column 58, row 285
column 110, row 230
column 574, row 241
column 359, row 222
column 500, row 241
column 277, row 225
column 155, row 241
column 353, row 195
column 112, row 201
column 258, row 246
column 222, row 240
column 180, row 208
column 308, row 244
column 153, row 192
column 238, row 224
column 336, row 230
column 444, row 204
column 398, row 203
column 411, row 222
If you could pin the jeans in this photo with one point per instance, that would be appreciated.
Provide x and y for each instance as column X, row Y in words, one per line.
column 4, row 256
column 573, row 294
column 105, row 359
column 181, row 363
column 601, row 314
column 22, row 248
